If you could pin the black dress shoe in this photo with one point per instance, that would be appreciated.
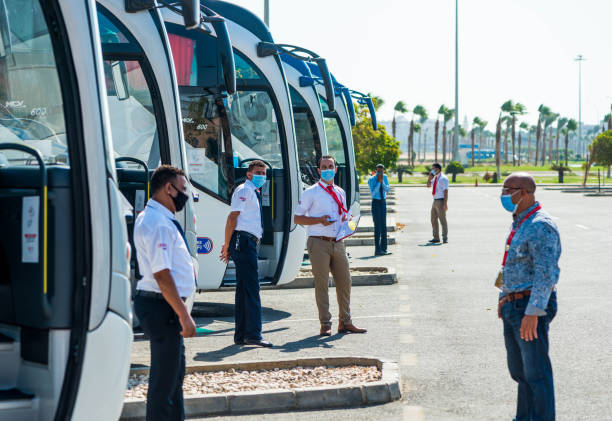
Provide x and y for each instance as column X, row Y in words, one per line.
column 240, row 342
column 261, row 343
column 433, row 240
column 445, row 241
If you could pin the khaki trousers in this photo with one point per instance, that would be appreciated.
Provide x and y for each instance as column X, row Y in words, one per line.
column 438, row 213
column 326, row 256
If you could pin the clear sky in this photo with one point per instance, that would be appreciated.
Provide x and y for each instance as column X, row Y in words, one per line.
column 512, row 49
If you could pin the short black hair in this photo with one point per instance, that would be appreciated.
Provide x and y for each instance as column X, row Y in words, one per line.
column 328, row 157
column 380, row 166
column 256, row 164
column 437, row 165
column 162, row 175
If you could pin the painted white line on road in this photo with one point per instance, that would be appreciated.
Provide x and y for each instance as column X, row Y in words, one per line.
column 413, row 413
column 408, row 359
column 406, row 339
column 582, row 227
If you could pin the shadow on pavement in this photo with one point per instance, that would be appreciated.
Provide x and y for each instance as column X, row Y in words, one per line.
column 224, row 310
column 430, row 245
column 315, row 341
column 232, row 349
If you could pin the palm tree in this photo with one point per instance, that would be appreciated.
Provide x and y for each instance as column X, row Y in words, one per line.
column 571, row 126
column 437, row 129
column 481, row 128
column 422, row 113
column 543, row 111
column 548, row 125
column 518, row 109
column 400, row 107
column 607, row 119
column 507, row 120
column 522, row 126
column 476, row 125
column 497, row 146
column 417, row 129
column 560, row 124
column 448, row 115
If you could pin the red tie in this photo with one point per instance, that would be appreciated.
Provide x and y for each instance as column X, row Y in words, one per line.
column 433, row 192
column 330, row 190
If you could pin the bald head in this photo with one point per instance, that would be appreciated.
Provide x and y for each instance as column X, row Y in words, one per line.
column 521, row 180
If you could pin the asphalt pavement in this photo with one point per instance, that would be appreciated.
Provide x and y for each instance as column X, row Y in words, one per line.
column 440, row 320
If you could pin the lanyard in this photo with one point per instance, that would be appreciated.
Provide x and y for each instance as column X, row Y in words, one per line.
column 511, row 236
column 333, row 194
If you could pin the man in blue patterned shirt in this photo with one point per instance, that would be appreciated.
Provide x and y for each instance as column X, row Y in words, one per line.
column 528, row 302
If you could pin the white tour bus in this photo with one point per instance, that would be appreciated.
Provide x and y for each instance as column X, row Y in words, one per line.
column 339, row 136
column 65, row 318
column 224, row 131
column 307, row 112
column 143, row 103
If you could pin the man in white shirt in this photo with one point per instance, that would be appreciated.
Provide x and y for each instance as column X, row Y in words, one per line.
column 168, row 278
column 439, row 184
column 243, row 232
column 323, row 210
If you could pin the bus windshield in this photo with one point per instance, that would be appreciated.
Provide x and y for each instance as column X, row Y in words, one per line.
column 308, row 142
column 31, row 106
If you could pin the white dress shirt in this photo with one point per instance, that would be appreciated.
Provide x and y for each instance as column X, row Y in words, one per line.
column 441, row 186
column 244, row 200
column 159, row 246
column 316, row 202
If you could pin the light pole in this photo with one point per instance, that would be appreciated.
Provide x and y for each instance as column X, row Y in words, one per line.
column 267, row 12
column 580, row 59
column 456, row 133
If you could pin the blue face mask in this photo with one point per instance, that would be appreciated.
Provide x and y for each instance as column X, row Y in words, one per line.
column 506, row 201
column 328, row 175
column 259, row 180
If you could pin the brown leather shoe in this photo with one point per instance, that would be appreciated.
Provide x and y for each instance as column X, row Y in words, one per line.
column 349, row 328
column 325, row 330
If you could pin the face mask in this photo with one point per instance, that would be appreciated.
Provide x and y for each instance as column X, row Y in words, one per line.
column 259, row 180
column 433, row 172
column 506, row 201
column 179, row 200
column 328, row 175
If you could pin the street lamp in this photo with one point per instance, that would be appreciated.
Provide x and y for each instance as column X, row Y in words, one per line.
column 580, row 59
column 267, row 12
column 456, row 133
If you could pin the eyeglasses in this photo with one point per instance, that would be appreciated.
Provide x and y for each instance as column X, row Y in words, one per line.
column 508, row 189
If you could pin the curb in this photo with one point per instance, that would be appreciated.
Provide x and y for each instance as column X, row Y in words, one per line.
column 368, row 211
column 369, row 228
column 356, row 242
column 386, row 278
column 385, row 390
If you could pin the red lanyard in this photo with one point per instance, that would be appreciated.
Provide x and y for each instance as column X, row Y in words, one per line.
column 433, row 192
column 332, row 193
column 511, row 236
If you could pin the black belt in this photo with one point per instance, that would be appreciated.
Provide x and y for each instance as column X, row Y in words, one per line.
column 151, row 294
column 249, row 235
column 439, row 199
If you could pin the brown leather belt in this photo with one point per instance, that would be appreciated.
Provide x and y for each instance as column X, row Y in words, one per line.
column 320, row 237
column 513, row 296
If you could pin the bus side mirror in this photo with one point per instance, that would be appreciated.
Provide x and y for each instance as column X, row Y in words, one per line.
column 120, row 80
column 327, row 82
column 372, row 113
column 191, row 13
column 5, row 35
column 227, row 56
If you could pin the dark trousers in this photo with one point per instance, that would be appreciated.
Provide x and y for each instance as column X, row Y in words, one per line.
column 379, row 215
column 528, row 362
column 243, row 251
column 161, row 324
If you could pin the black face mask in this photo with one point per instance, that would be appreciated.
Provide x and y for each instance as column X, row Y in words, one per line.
column 179, row 200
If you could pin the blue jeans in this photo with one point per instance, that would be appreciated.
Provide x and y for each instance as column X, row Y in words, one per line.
column 528, row 362
column 162, row 326
column 379, row 215
column 243, row 251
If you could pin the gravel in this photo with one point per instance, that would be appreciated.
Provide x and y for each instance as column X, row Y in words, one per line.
column 221, row 382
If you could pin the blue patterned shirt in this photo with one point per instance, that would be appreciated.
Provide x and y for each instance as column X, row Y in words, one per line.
column 374, row 185
column 533, row 260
